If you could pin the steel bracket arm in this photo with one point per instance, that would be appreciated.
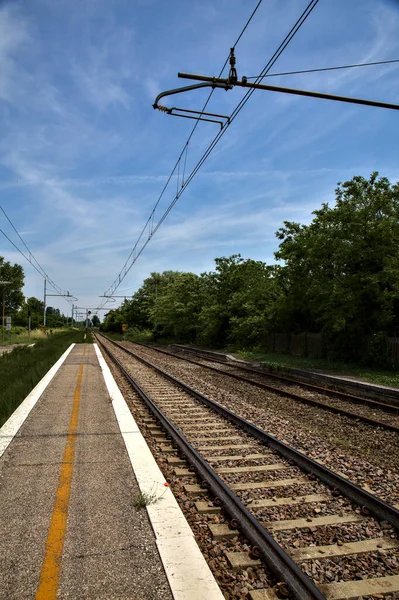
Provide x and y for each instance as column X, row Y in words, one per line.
column 175, row 112
column 226, row 86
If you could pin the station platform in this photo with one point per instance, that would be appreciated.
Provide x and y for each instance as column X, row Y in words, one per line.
column 69, row 528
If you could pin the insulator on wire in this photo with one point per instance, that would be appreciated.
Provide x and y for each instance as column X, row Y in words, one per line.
column 233, row 78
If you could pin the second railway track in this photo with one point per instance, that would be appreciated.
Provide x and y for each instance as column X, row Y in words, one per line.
column 270, row 490
column 378, row 414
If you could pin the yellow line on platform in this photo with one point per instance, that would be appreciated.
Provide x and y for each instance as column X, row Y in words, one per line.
column 51, row 567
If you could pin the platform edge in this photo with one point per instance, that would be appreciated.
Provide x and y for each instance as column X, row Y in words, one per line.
column 187, row 572
column 11, row 427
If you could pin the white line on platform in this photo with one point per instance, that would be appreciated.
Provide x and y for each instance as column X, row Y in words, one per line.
column 11, row 427
column 186, row 569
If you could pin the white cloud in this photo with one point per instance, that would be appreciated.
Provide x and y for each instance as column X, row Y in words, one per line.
column 14, row 35
column 83, row 156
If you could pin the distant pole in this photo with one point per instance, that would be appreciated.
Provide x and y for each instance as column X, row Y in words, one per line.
column 3, row 283
column 44, row 311
column 29, row 324
column 2, row 322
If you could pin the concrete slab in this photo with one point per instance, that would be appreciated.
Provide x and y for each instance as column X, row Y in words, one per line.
column 346, row 590
column 266, row 594
column 241, row 560
column 311, row 522
column 320, row 552
column 253, row 485
column 238, row 457
column 195, row 489
column 222, row 531
column 265, row 502
column 207, row 507
column 257, row 468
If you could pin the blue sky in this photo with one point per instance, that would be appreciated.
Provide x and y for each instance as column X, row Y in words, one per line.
column 84, row 157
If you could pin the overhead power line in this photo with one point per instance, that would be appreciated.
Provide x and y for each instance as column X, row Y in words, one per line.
column 149, row 223
column 136, row 251
column 31, row 259
column 380, row 62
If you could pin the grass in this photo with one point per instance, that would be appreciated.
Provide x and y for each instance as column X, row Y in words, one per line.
column 24, row 367
column 35, row 335
column 282, row 361
column 131, row 335
column 143, row 499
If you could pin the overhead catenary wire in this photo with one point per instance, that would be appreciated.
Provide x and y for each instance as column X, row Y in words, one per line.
column 298, row 24
column 370, row 64
column 295, row 28
column 114, row 286
column 29, row 258
column 242, row 103
column 247, row 23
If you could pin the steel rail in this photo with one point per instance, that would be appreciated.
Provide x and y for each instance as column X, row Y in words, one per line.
column 331, row 392
column 282, row 566
column 311, row 401
column 368, row 502
column 296, row 397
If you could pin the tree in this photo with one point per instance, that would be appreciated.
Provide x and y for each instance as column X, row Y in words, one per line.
column 114, row 320
column 13, row 295
column 238, row 302
column 176, row 310
column 137, row 311
column 54, row 317
column 341, row 272
column 36, row 308
column 95, row 321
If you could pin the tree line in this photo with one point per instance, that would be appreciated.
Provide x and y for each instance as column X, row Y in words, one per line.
column 337, row 276
column 20, row 308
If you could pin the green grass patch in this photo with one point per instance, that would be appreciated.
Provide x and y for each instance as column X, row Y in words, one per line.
column 24, row 367
column 131, row 335
column 19, row 335
column 282, row 361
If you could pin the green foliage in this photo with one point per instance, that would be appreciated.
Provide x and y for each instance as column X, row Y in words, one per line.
column 238, row 305
column 377, row 352
column 341, row 273
column 113, row 321
column 176, row 309
column 339, row 276
column 138, row 311
column 95, row 321
column 22, row 369
column 13, row 295
column 280, row 362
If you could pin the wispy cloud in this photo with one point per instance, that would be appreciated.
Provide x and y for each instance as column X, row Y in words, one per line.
column 84, row 157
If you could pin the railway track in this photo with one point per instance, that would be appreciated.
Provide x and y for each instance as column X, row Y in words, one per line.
column 310, row 525
column 348, row 405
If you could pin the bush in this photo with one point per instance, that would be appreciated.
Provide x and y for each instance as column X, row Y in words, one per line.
column 377, row 352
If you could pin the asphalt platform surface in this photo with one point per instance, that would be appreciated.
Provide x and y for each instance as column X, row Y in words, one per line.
column 107, row 548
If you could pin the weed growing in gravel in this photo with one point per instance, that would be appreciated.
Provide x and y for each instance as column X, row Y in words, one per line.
column 143, row 499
